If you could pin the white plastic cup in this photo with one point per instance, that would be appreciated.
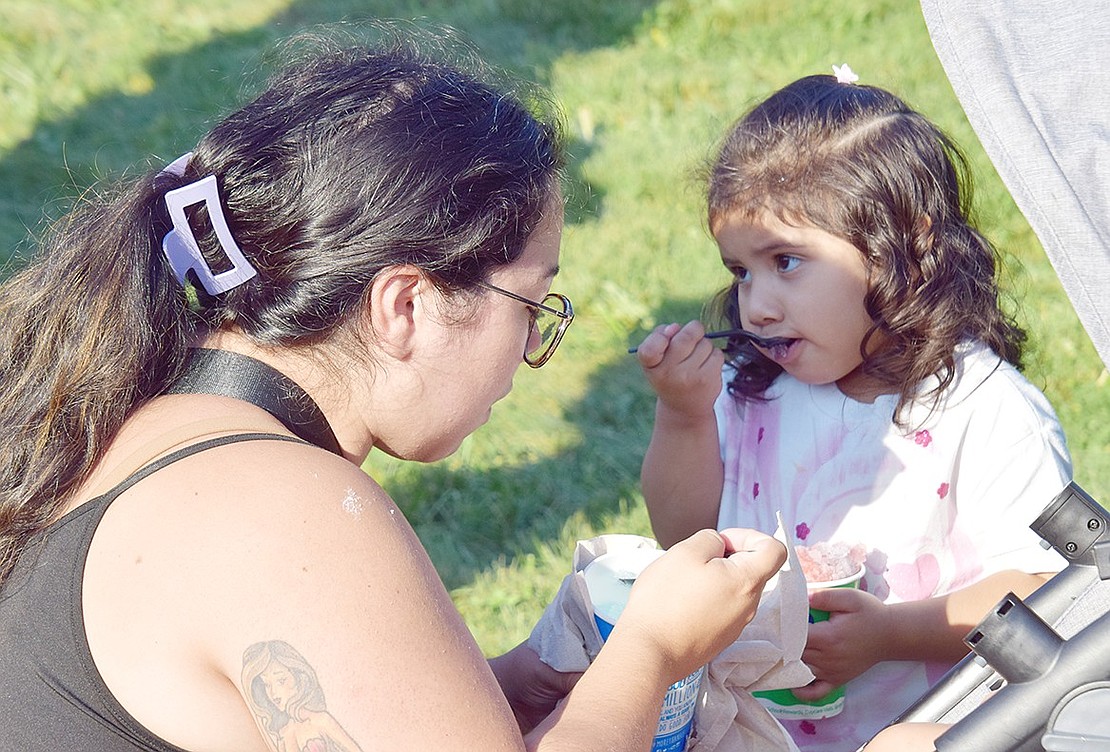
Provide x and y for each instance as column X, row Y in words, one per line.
column 609, row 580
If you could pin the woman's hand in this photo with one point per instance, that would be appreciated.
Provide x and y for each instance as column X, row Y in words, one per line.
column 683, row 367
column 684, row 609
column 694, row 601
column 849, row 643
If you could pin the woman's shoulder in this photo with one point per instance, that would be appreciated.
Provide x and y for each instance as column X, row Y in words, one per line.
column 286, row 498
column 271, row 467
column 260, row 541
column 282, row 494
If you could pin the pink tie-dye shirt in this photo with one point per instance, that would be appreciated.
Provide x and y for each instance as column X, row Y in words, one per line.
column 938, row 506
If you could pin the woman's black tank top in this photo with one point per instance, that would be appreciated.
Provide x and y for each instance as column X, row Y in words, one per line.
column 52, row 698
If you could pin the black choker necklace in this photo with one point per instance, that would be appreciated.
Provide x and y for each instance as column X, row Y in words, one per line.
column 228, row 374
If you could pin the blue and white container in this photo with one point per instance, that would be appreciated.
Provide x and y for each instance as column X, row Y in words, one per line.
column 609, row 580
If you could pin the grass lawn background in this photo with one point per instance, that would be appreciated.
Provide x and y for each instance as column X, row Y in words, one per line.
column 89, row 88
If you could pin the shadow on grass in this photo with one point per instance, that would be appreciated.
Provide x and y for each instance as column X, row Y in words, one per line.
column 187, row 93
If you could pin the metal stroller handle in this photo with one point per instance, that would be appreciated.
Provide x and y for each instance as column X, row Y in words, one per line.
column 1043, row 672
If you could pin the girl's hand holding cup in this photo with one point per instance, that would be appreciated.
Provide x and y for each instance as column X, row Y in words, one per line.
column 849, row 643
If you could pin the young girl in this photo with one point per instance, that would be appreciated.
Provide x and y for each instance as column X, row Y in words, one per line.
column 885, row 409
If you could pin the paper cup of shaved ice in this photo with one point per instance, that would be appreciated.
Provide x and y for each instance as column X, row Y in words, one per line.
column 825, row 565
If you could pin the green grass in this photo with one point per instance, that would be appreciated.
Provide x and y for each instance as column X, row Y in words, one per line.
column 90, row 87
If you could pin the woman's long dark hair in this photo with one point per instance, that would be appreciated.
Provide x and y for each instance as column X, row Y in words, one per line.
column 857, row 162
column 352, row 160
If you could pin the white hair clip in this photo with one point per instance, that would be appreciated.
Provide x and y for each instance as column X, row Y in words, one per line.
column 180, row 245
column 844, row 74
column 177, row 167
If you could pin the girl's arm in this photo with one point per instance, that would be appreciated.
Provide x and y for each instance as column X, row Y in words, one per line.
column 861, row 630
column 682, row 475
column 337, row 736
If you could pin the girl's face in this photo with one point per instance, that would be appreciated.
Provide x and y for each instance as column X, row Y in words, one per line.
column 807, row 285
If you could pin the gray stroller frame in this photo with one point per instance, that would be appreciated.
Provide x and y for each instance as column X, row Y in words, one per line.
column 1043, row 663
column 1034, row 79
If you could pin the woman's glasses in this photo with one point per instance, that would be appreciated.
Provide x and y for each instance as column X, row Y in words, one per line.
column 550, row 319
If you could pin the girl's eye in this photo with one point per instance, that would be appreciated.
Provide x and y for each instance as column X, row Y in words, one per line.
column 787, row 263
column 741, row 274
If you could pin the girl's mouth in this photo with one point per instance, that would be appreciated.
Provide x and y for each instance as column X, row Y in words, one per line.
column 778, row 349
column 767, row 343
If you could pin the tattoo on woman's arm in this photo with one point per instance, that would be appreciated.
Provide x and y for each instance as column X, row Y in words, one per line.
column 288, row 703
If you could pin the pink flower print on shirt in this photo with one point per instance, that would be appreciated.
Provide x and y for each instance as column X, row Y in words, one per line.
column 917, row 581
column 808, row 727
column 759, row 436
column 801, row 530
column 942, row 490
column 755, row 490
column 923, row 438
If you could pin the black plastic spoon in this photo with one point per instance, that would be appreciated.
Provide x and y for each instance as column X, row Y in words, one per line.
column 766, row 343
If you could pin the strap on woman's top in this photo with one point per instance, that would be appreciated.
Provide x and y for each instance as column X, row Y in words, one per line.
column 174, row 438
column 189, row 451
column 228, row 374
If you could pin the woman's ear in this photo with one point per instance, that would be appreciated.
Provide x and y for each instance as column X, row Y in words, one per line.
column 397, row 307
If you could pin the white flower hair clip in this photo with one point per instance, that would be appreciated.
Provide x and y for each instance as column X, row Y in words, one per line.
column 844, row 74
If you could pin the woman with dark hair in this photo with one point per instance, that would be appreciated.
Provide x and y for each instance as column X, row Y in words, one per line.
column 193, row 372
column 879, row 405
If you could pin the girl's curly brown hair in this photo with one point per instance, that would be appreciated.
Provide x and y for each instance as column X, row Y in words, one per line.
column 857, row 162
